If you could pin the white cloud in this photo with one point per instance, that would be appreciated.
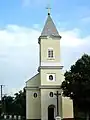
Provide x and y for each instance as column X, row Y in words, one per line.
column 19, row 53
column 14, row 35
column 71, row 38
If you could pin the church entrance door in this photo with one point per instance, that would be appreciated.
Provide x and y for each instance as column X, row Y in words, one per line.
column 51, row 112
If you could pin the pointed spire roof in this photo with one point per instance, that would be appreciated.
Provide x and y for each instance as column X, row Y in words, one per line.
column 49, row 28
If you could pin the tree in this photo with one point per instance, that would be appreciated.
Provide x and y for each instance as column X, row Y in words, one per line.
column 15, row 105
column 77, row 83
column 7, row 104
column 20, row 102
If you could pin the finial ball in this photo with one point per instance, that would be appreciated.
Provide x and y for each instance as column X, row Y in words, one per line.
column 48, row 13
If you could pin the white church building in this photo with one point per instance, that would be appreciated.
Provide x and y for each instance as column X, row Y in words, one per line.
column 41, row 101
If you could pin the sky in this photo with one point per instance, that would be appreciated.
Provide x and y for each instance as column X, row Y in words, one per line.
column 21, row 23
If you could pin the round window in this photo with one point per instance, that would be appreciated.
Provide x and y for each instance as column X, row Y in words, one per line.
column 35, row 95
column 51, row 94
column 50, row 77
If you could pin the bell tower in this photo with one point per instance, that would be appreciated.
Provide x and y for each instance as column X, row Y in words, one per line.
column 50, row 69
column 49, row 46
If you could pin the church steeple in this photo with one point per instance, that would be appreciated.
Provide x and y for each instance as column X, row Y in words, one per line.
column 50, row 28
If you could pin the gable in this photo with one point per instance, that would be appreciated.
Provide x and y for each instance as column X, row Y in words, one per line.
column 34, row 81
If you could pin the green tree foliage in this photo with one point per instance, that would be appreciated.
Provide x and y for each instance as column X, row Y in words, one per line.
column 15, row 105
column 7, row 104
column 20, row 102
column 77, row 83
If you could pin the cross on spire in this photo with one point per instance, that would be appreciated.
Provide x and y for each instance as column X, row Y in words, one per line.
column 48, row 8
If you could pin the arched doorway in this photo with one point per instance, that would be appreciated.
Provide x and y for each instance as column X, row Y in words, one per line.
column 51, row 112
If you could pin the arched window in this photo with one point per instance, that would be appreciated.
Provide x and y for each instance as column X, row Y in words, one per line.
column 50, row 53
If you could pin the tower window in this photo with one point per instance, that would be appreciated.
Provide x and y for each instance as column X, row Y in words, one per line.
column 51, row 77
column 50, row 53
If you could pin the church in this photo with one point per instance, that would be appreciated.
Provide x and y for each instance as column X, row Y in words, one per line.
column 44, row 100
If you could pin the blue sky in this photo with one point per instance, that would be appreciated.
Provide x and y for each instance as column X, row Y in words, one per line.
column 27, row 12
column 21, row 22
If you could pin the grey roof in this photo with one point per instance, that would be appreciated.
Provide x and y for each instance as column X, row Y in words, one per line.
column 49, row 28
